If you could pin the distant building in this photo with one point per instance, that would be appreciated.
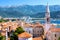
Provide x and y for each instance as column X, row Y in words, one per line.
column 29, row 30
column 53, row 34
column 28, row 27
column 35, row 29
column 27, row 19
column 0, row 17
column 38, row 30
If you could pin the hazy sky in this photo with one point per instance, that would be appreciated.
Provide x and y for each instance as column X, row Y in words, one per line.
column 28, row 2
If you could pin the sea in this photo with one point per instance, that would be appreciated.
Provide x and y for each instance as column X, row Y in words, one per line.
column 57, row 22
column 42, row 20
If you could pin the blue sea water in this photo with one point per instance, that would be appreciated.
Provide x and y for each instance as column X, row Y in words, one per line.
column 52, row 22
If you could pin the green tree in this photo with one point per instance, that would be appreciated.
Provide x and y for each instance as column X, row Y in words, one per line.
column 2, row 20
column 19, row 30
column 2, row 37
column 59, row 38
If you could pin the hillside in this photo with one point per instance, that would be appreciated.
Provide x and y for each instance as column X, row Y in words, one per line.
column 28, row 10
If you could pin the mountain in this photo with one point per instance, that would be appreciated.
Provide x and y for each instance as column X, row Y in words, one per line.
column 37, row 11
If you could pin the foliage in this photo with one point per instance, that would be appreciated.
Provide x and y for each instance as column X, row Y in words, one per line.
column 59, row 38
column 19, row 30
column 2, row 20
column 13, row 19
column 38, row 11
column 2, row 37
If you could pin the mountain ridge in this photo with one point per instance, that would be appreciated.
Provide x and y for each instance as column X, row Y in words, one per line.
column 37, row 11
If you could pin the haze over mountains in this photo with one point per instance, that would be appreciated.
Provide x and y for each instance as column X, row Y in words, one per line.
column 37, row 11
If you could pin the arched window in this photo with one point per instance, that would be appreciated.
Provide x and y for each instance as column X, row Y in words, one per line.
column 55, row 35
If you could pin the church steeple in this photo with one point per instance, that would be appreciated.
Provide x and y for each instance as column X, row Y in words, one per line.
column 47, row 14
column 47, row 18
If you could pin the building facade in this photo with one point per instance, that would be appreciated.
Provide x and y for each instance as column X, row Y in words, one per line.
column 35, row 29
column 53, row 34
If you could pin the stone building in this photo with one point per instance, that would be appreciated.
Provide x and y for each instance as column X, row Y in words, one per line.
column 53, row 34
column 38, row 30
column 35, row 29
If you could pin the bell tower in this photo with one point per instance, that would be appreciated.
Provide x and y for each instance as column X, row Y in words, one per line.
column 47, row 15
column 47, row 19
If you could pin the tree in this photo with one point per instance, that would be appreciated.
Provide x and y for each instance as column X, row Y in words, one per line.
column 2, row 37
column 19, row 30
column 59, row 38
column 2, row 20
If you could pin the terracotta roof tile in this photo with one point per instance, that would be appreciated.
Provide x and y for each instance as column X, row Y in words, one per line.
column 38, row 38
column 55, row 29
column 24, row 35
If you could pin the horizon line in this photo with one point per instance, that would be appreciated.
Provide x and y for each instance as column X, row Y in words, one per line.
column 24, row 5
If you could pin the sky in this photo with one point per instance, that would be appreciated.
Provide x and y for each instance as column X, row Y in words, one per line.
column 28, row 2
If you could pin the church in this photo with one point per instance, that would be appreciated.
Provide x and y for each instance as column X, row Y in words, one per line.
column 50, row 31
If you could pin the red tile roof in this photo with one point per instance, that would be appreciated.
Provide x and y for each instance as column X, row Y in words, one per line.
column 24, row 35
column 55, row 29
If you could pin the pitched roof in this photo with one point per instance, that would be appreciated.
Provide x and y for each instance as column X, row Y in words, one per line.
column 55, row 29
column 38, row 38
column 24, row 35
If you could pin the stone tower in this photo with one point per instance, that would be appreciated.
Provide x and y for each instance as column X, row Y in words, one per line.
column 47, row 15
column 47, row 19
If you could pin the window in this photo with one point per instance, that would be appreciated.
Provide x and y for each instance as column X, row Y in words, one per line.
column 38, row 31
column 29, row 31
column 55, row 35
